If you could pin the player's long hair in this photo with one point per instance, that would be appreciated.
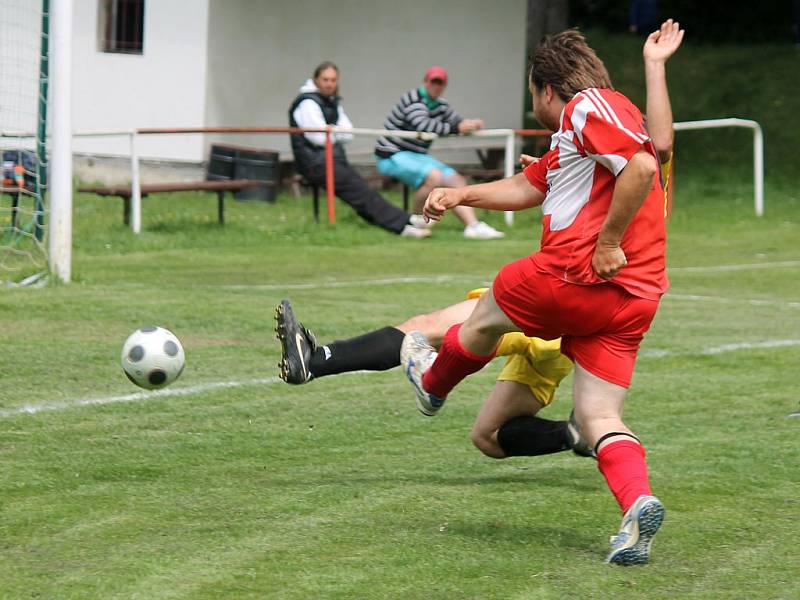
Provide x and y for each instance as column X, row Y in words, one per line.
column 568, row 64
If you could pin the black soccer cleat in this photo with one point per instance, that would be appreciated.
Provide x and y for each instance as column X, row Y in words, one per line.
column 575, row 440
column 297, row 345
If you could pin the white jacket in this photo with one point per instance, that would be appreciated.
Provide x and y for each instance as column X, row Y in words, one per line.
column 309, row 114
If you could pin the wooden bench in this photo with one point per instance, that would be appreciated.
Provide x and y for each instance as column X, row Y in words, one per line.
column 220, row 187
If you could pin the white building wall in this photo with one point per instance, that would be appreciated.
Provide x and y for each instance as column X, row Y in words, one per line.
column 261, row 51
column 163, row 87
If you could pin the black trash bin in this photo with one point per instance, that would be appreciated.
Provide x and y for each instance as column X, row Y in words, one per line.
column 221, row 163
column 236, row 162
column 260, row 165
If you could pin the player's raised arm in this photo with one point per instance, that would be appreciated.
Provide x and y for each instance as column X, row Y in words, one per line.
column 658, row 48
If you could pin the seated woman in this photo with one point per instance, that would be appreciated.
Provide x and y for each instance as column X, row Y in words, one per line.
column 316, row 106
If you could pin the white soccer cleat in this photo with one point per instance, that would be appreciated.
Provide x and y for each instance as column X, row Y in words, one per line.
column 416, row 357
column 631, row 546
column 482, row 231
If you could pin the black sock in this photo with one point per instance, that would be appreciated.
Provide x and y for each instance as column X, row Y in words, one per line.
column 532, row 436
column 374, row 351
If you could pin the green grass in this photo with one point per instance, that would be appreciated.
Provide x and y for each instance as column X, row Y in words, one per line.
column 340, row 489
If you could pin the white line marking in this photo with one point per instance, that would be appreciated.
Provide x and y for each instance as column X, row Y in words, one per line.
column 32, row 409
column 742, row 267
column 136, row 396
column 713, row 350
column 750, row 346
column 751, row 301
column 191, row 390
column 480, row 279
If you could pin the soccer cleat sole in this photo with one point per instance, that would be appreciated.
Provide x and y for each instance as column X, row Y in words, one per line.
column 289, row 345
column 647, row 525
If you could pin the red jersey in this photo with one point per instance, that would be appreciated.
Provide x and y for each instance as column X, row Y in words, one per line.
column 599, row 132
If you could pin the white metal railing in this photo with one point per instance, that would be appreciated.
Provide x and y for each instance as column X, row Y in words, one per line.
column 758, row 150
column 509, row 135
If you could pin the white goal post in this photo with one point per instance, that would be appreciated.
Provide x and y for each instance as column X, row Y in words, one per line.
column 60, row 196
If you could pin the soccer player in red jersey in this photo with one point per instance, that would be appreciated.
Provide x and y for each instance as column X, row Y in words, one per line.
column 596, row 280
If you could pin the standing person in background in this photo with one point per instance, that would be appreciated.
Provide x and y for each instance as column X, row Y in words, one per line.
column 316, row 106
column 424, row 109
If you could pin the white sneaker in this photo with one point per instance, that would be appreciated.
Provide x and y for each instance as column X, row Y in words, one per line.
column 419, row 222
column 416, row 357
column 415, row 232
column 482, row 231
column 631, row 546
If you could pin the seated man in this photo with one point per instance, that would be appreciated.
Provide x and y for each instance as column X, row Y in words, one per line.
column 424, row 109
column 316, row 106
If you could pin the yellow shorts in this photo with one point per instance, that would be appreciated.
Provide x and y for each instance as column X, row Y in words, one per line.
column 534, row 362
column 541, row 367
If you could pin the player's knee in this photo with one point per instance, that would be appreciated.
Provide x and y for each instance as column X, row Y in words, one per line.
column 455, row 180
column 434, row 178
column 484, row 441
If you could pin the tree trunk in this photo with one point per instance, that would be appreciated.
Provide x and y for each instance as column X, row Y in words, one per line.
column 544, row 17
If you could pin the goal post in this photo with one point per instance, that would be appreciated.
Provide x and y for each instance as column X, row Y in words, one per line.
column 35, row 56
column 60, row 194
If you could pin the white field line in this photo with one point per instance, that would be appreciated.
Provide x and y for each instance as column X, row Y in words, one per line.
column 714, row 350
column 482, row 278
column 723, row 300
column 473, row 280
column 741, row 267
column 477, row 280
column 191, row 390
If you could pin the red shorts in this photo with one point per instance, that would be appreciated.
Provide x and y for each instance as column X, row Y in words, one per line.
column 601, row 325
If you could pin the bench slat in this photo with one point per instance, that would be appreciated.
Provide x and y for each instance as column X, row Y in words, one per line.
column 184, row 186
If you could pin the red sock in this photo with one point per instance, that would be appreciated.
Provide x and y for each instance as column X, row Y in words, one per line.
column 453, row 363
column 622, row 464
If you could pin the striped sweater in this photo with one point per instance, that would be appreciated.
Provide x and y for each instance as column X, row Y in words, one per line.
column 412, row 114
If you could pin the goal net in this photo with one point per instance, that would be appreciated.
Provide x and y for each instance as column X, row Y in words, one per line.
column 23, row 118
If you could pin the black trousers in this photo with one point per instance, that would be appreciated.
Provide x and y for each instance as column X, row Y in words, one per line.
column 351, row 188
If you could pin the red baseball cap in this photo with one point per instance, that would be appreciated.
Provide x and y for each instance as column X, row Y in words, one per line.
column 436, row 72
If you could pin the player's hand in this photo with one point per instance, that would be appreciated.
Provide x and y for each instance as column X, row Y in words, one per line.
column 608, row 259
column 438, row 201
column 662, row 44
column 526, row 159
column 467, row 125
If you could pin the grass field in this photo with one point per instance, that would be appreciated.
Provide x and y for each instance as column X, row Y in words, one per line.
column 234, row 485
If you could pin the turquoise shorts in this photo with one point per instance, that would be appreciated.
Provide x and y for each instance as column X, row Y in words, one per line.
column 411, row 167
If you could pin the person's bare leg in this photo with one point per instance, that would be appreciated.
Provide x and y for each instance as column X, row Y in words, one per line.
column 466, row 214
column 621, row 460
column 433, row 179
column 598, row 406
column 466, row 349
column 435, row 324
column 482, row 330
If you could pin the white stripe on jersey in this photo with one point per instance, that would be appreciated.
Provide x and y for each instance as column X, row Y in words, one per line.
column 569, row 186
column 597, row 98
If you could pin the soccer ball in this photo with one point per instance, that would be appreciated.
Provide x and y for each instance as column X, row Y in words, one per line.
column 152, row 357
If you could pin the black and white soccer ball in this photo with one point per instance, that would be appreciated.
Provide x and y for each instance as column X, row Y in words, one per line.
column 152, row 357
